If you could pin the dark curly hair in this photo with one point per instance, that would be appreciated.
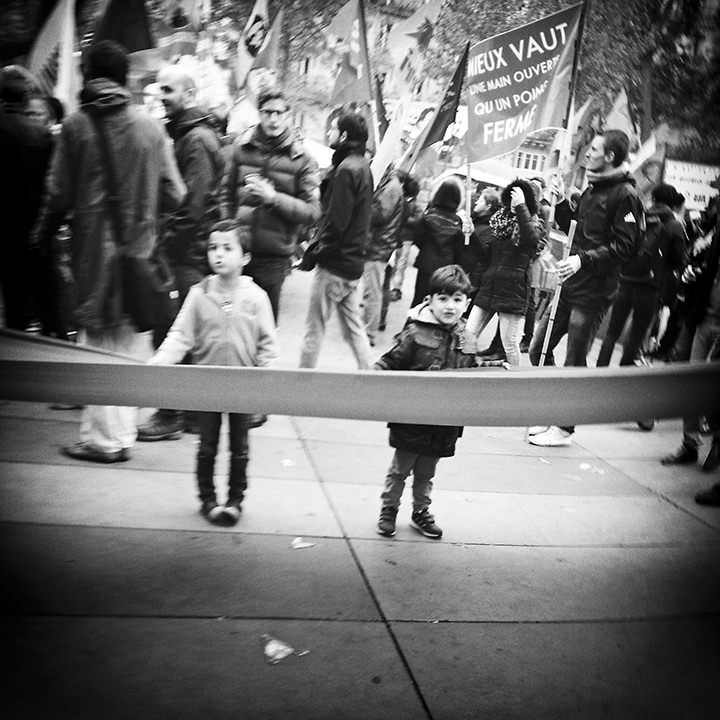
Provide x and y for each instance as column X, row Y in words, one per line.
column 527, row 188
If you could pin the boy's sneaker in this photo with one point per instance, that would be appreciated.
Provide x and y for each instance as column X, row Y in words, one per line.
column 232, row 512
column 212, row 512
column 386, row 523
column 425, row 523
column 552, row 437
column 537, row 429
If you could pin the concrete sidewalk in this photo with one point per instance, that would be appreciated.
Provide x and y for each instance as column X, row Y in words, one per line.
column 577, row 582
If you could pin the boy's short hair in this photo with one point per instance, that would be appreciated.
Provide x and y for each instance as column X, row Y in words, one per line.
column 449, row 280
column 242, row 232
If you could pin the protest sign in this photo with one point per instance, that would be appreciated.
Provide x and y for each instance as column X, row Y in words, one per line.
column 519, row 82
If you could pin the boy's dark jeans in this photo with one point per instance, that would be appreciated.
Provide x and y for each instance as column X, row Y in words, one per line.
column 209, row 424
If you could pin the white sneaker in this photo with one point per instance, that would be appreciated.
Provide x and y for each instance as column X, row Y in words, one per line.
column 537, row 429
column 552, row 437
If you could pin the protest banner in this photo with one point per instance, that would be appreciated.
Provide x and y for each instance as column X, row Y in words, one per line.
column 693, row 180
column 520, row 81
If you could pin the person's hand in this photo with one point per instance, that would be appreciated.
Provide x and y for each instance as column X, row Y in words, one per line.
column 568, row 267
column 467, row 224
column 517, row 197
column 261, row 188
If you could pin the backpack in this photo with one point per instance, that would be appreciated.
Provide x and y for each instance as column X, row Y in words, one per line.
column 647, row 264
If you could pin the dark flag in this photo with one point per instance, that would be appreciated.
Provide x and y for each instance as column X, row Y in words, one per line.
column 125, row 22
column 446, row 112
column 383, row 122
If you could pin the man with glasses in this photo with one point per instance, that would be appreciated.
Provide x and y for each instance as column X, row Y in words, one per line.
column 271, row 186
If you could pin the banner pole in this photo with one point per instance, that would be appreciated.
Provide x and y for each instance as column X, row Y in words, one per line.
column 369, row 75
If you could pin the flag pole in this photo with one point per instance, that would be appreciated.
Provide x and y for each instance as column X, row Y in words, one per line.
column 569, row 108
column 368, row 74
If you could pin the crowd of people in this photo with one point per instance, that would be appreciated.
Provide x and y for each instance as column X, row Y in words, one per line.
column 227, row 216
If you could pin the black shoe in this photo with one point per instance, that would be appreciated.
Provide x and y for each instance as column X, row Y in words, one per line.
column 424, row 522
column 493, row 356
column 712, row 461
column 215, row 514
column 489, row 351
column 161, row 426
column 386, row 523
column 686, row 455
column 82, row 451
column 524, row 346
column 256, row 420
column 709, row 497
column 646, row 425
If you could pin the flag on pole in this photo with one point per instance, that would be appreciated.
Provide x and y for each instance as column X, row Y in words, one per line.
column 251, row 41
column 620, row 118
column 447, row 109
column 346, row 33
column 519, row 82
column 52, row 58
column 125, row 22
column 408, row 40
column 269, row 54
column 383, row 121
column 390, row 146
column 647, row 166
column 442, row 118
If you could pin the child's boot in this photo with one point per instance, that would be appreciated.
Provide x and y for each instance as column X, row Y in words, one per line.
column 386, row 523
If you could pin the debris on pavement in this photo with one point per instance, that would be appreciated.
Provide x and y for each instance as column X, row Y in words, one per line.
column 275, row 650
column 298, row 544
column 591, row 468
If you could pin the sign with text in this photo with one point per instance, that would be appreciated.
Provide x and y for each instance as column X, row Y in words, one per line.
column 693, row 181
column 519, row 82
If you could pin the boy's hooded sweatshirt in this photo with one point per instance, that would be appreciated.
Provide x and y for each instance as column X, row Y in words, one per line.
column 214, row 332
column 425, row 344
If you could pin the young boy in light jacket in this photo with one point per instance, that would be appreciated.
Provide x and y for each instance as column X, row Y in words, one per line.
column 226, row 319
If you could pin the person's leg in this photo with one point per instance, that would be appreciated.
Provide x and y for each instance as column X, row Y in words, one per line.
column 423, row 474
column 401, row 261
column 110, row 429
column 511, row 328
column 582, row 328
column 477, row 321
column 422, row 281
column 421, row 519
column 646, row 302
column 319, row 311
column 529, row 324
column 559, row 328
column 621, row 308
column 372, row 281
column 400, row 467
column 209, row 424
column 347, row 297
column 269, row 273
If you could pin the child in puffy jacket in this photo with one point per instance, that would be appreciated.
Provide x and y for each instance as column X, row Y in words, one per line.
column 433, row 339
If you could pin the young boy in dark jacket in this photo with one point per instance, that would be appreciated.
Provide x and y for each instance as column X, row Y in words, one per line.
column 433, row 339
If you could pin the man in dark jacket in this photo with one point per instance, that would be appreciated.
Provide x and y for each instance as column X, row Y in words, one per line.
column 701, row 288
column 271, row 186
column 340, row 242
column 184, row 237
column 643, row 278
column 387, row 214
column 610, row 220
column 25, row 152
column 148, row 182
